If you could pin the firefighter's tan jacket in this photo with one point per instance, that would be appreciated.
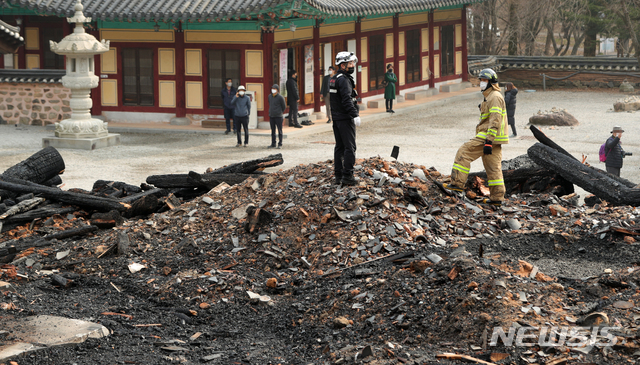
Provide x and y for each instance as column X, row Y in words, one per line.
column 493, row 117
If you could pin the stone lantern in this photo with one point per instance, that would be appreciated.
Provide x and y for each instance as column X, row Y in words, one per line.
column 81, row 131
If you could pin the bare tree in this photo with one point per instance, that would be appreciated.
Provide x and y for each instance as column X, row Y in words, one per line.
column 621, row 8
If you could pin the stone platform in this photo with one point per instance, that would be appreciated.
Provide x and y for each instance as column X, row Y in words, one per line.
column 82, row 143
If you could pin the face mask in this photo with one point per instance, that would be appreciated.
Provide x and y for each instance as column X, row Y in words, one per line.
column 229, row 84
column 483, row 85
column 350, row 70
column 273, row 91
column 241, row 93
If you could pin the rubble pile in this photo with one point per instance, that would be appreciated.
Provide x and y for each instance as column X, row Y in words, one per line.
column 628, row 104
column 555, row 116
column 288, row 268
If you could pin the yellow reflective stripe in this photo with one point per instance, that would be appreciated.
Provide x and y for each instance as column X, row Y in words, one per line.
column 492, row 132
column 460, row 168
column 481, row 135
column 498, row 110
column 501, row 139
column 496, row 182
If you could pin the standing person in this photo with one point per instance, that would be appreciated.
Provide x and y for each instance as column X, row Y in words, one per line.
column 510, row 100
column 390, row 89
column 614, row 152
column 276, row 112
column 227, row 93
column 293, row 97
column 242, row 105
column 345, row 116
column 324, row 91
column 491, row 134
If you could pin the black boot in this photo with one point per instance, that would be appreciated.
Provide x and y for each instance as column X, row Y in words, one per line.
column 349, row 180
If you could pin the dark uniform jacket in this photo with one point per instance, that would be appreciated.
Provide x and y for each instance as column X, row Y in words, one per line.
column 344, row 105
column 510, row 100
column 227, row 96
column 614, row 152
column 292, row 91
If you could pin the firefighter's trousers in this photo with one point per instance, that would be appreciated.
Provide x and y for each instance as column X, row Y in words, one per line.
column 470, row 152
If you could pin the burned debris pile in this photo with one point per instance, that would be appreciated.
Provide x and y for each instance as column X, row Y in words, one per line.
column 287, row 267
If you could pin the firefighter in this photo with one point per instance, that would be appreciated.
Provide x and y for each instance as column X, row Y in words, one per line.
column 491, row 134
column 345, row 116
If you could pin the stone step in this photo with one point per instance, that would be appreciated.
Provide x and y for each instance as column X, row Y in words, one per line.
column 214, row 123
column 454, row 87
column 377, row 103
column 420, row 94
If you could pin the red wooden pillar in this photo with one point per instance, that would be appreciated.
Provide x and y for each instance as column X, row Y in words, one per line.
column 22, row 61
column 316, row 66
column 431, row 55
column 396, row 48
column 267, row 50
column 359, row 55
column 96, row 94
column 181, row 95
column 465, row 64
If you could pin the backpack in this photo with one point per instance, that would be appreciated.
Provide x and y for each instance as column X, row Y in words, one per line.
column 602, row 153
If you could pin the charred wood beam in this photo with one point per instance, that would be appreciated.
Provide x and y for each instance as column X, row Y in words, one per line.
column 39, row 168
column 46, row 211
column 71, row 233
column 542, row 138
column 211, row 180
column 248, row 167
column 194, row 180
column 592, row 180
column 83, row 200
column 157, row 192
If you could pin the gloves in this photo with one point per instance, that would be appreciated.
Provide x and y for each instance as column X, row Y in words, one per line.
column 356, row 121
column 488, row 147
column 480, row 106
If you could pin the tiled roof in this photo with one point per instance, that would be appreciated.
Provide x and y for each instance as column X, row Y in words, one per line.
column 366, row 7
column 31, row 76
column 150, row 10
column 10, row 35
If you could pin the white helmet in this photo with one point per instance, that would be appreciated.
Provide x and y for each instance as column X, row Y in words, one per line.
column 343, row 57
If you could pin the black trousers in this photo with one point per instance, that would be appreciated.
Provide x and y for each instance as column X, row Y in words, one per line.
column 512, row 123
column 228, row 115
column 244, row 123
column 344, row 154
column 276, row 122
column 613, row 170
column 293, row 114
column 388, row 103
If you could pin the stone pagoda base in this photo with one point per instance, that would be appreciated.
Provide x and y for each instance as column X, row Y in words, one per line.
column 82, row 143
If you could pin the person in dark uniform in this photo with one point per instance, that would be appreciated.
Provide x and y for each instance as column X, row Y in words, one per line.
column 293, row 97
column 510, row 100
column 345, row 116
column 227, row 93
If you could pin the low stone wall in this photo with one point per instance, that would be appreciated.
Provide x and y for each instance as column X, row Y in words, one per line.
column 34, row 104
column 533, row 79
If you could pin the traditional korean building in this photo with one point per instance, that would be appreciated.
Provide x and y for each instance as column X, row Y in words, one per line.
column 169, row 58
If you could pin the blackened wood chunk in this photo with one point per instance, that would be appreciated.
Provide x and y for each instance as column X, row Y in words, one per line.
column 107, row 220
column 171, row 181
column 71, row 233
column 59, row 280
column 251, row 166
column 69, row 197
column 54, row 181
column 603, row 185
column 38, row 168
column 256, row 217
column 146, row 205
column 108, row 187
column 542, row 138
column 211, row 180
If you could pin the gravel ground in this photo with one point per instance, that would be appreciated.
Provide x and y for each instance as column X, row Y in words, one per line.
column 429, row 136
